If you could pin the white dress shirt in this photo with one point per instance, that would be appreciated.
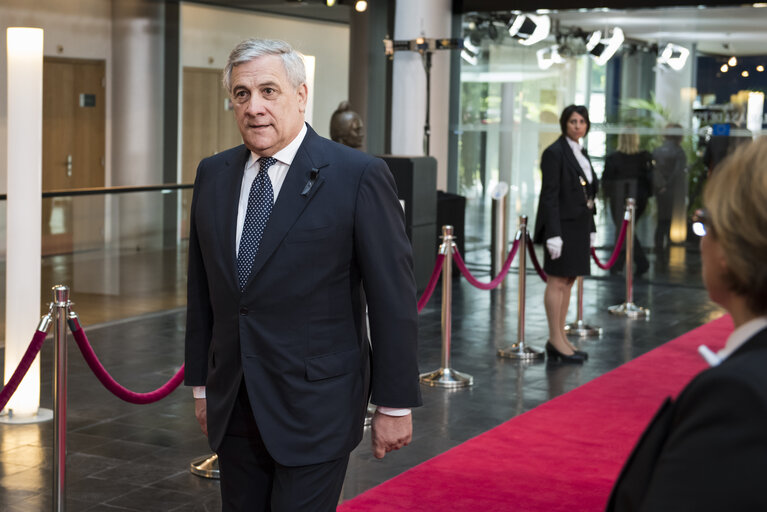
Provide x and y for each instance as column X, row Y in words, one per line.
column 582, row 160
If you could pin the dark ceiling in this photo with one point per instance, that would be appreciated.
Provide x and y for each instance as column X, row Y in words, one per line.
column 312, row 9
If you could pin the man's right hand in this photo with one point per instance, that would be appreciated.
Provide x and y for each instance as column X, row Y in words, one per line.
column 201, row 413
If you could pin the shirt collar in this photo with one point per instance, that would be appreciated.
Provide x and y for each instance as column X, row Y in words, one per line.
column 741, row 335
column 577, row 148
column 286, row 154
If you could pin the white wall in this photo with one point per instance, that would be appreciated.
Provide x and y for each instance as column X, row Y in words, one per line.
column 430, row 19
column 208, row 34
column 73, row 28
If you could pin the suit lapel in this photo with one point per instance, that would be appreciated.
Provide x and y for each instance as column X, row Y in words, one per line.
column 291, row 200
column 228, row 187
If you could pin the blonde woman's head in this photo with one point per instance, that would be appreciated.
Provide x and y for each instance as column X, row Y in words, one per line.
column 628, row 142
column 736, row 202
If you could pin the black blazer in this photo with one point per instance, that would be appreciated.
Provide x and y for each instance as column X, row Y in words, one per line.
column 562, row 195
column 706, row 451
column 297, row 332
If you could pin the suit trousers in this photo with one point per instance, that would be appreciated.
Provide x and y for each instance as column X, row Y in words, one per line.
column 251, row 481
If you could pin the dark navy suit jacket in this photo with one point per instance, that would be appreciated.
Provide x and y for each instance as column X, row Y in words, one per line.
column 297, row 333
column 707, row 450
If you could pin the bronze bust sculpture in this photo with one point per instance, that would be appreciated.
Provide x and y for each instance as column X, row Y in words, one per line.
column 346, row 126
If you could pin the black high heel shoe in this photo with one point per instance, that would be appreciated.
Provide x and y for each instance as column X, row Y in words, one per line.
column 556, row 355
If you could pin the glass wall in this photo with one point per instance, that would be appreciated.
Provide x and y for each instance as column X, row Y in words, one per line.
column 666, row 77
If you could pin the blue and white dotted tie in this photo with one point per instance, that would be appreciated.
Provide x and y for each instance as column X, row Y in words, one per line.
column 260, row 200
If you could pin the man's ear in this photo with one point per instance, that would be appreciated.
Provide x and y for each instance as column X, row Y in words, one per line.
column 303, row 96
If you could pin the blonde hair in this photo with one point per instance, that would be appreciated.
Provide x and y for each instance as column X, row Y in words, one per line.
column 628, row 142
column 736, row 200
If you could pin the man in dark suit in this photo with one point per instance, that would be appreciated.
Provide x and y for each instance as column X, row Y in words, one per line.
column 284, row 232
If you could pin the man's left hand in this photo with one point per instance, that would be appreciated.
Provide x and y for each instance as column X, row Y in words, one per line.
column 390, row 433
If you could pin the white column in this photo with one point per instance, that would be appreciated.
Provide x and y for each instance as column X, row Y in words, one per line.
column 25, row 184
column 429, row 19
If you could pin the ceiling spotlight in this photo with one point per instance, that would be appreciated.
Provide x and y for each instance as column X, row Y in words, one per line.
column 674, row 56
column 469, row 57
column 472, row 44
column 732, row 62
column 604, row 51
column 330, row 3
column 744, row 74
column 530, row 28
column 548, row 56
column 724, row 68
column 593, row 41
column 760, row 68
column 361, row 6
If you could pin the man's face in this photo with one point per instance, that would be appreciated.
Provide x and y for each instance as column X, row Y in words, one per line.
column 268, row 109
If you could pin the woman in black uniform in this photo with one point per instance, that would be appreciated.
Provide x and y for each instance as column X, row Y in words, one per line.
column 565, row 223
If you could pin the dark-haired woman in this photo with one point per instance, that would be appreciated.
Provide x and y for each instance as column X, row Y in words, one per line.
column 565, row 224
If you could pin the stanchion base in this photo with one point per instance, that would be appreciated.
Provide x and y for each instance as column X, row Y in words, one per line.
column 521, row 352
column 630, row 310
column 42, row 416
column 582, row 329
column 446, row 378
column 369, row 415
column 206, row 467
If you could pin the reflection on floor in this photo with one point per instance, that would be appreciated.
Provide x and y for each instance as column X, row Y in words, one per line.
column 124, row 457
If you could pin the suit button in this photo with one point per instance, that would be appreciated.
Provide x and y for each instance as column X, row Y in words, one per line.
column 243, row 311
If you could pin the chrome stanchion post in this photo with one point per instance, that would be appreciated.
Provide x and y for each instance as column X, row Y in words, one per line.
column 579, row 327
column 446, row 377
column 206, row 467
column 628, row 308
column 520, row 350
column 499, row 243
column 61, row 307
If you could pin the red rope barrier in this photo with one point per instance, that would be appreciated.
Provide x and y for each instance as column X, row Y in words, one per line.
column 616, row 251
column 498, row 279
column 432, row 282
column 21, row 370
column 108, row 382
column 534, row 259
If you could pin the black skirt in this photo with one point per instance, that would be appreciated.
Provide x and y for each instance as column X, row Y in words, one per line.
column 576, row 250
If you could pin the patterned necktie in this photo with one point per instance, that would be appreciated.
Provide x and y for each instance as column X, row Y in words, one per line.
column 260, row 200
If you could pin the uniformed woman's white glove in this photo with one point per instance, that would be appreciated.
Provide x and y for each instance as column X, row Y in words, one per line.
column 554, row 246
column 593, row 239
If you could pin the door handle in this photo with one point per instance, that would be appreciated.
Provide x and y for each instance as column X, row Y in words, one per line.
column 69, row 166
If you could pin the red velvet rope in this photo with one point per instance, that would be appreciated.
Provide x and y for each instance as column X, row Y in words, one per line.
column 498, row 279
column 534, row 259
column 112, row 385
column 21, row 370
column 432, row 282
column 616, row 251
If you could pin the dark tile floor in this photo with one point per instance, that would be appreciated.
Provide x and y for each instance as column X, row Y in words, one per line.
column 136, row 457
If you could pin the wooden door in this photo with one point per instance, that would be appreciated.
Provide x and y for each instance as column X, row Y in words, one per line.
column 208, row 125
column 73, row 152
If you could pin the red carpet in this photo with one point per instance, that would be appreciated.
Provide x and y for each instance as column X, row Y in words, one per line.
column 564, row 454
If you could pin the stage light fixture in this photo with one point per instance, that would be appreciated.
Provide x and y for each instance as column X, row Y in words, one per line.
column 732, row 62
column 469, row 57
column 724, row 68
column 593, row 40
column 547, row 57
column 760, row 68
column 330, row 3
column 674, row 56
column 361, row 6
column 744, row 74
column 529, row 29
column 604, row 51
